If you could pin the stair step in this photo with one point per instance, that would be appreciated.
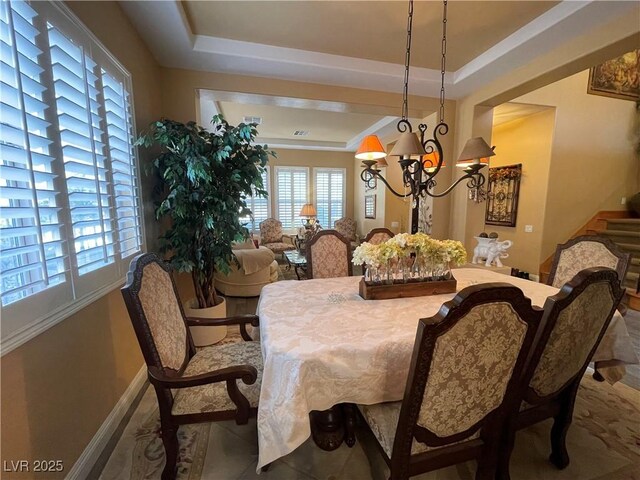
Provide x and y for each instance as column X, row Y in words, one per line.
column 631, row 280
column 629, row 247
column 629, row 224
column 632, row 299
column 621, row 233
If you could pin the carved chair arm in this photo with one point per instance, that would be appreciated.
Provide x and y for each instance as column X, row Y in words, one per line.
column 241, row 320
column 247, row 373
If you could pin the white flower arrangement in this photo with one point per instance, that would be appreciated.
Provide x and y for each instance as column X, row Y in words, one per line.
column 430, row 253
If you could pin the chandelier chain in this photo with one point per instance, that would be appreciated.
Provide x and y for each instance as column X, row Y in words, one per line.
column 407, row 61
column 443, row 63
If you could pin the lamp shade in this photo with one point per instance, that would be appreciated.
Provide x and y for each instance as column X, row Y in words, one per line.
column 370, row 149
column 475, row 150
column 308, row 210
column 407, row 145
column 430, row 161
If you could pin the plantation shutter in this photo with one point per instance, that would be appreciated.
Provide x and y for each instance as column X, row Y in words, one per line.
column 76, row 87
column 31, row 242
column 292, row 185
column 259, row 206
column 70, row 216
column 330, row 195
column 123, row 166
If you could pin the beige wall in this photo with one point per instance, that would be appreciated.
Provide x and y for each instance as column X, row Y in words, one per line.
column 311, row 159
column 526, row 141
column 59, row 387
column 593, row 164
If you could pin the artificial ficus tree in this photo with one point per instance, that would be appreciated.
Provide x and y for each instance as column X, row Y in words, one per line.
column 205, row 179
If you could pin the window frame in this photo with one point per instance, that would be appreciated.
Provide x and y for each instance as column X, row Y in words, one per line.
column 21, row 320
column 343, row 171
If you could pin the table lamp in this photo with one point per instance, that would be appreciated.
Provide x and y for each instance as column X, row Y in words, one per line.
column 308, row 215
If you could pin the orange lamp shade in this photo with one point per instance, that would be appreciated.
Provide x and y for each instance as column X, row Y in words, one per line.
column 430, row 161
column 370, row 149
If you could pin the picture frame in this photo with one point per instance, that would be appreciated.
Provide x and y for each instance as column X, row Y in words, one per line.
column 617, row 78
column 370, row 206
column 503, row 192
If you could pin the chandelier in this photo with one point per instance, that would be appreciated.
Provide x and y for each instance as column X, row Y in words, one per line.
column 421, row 159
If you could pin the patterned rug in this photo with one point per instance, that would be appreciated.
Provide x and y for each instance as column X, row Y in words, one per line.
column 606, row 420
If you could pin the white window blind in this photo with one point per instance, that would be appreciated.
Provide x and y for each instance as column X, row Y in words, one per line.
column 70, row 218
column 259, row 206
column 330, row 194
column 292, row 192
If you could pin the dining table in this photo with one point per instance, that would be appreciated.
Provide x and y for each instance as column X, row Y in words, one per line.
column 323, row 345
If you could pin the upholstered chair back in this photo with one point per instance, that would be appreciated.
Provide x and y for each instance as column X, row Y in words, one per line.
column 156, row 314
column 580, row 313
column 466, row 367
column 328, row 255
column 585, row 252
column 378, row 236
column 347, row 227
column 271, row 231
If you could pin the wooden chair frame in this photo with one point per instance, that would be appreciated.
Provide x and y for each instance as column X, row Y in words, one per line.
column 378, row 230
column 559, row 405
column 485, row 450
column 166, row 379
column 624, row 258
column 323, row 233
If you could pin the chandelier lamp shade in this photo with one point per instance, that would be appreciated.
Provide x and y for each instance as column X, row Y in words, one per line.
column 371, row 149
column 421, row 159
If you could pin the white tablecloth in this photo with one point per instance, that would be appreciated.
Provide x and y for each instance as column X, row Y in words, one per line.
column 323, row 344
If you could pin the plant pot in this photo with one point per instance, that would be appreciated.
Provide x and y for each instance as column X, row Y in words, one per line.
column 203, row 336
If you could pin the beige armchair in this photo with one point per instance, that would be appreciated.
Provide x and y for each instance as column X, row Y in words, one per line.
column 256, row 268
column 271, row 236
column 347, row 227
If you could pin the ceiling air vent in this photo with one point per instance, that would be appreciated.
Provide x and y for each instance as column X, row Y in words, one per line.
column 256, row 120
column 301, row 133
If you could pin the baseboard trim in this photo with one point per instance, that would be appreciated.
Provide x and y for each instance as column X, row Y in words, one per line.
column 91, row 453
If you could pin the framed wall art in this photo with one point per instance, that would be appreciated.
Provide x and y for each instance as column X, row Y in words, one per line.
column 617, row 78
column 502, row 195
column 369, row 206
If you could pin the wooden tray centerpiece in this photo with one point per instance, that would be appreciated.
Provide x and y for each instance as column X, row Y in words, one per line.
column 408, row 266
column 412, row 288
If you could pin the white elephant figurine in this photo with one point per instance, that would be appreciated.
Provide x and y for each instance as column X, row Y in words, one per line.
column 491, row 250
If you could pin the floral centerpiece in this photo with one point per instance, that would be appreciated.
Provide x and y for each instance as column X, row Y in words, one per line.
column 409, row 258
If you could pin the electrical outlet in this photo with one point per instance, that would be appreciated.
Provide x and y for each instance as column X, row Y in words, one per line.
column 395, row 224
column 623, row 201
column 528, row 228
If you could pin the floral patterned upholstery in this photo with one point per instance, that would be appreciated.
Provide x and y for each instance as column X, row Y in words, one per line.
column 378, row 238
column 271, row 236
column 575, row 333
column 471, row 367
column 270, row 231
column 162, row 311
column 213, row 397
column 584, row 254
column 347, row 227
column 329, row 256
column 383, row 421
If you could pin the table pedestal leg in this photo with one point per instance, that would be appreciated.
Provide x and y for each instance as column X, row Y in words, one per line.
column 329, row 428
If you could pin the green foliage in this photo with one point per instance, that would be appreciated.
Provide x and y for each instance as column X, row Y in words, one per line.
column 205, row 179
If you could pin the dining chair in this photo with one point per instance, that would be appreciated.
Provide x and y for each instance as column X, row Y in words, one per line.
column 584, row 252
column 577, row 318
column 210, row 384
column 328, row 255
column 378, row 235
column 271, row 236
column 465, row 381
